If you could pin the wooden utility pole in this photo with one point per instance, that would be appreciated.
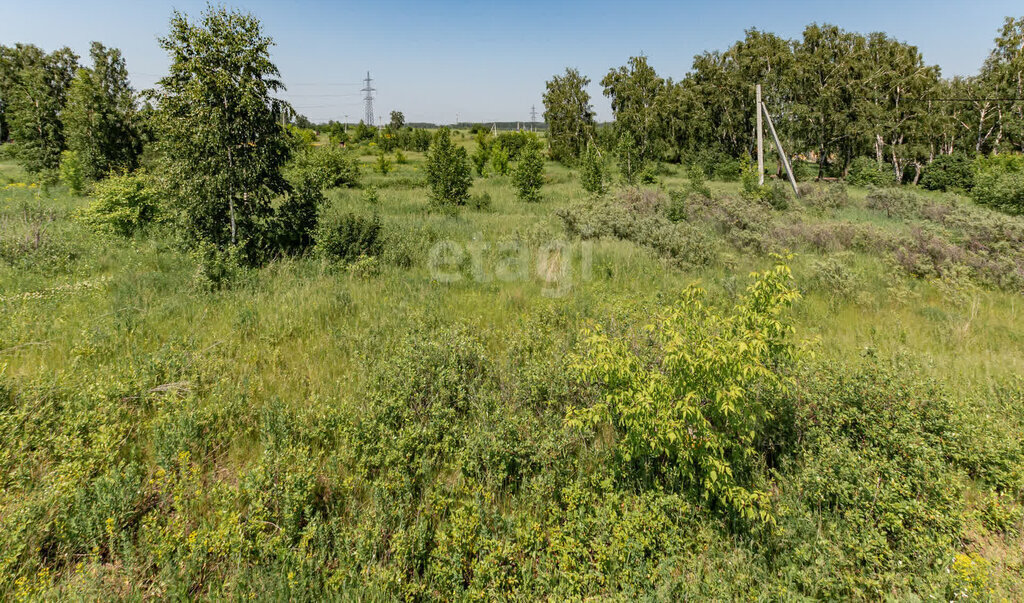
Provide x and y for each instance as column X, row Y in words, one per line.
column 782, row 152
column 760, row 140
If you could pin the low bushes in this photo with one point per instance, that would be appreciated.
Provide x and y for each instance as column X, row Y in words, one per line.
column 123, row 204
column 999, row 183
column 949, row 172
column 348, row 236
column 324, row 167
column 636, row 215
column 688, row 412
column 865, row 171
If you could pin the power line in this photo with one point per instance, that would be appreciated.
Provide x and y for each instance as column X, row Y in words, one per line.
column 369, row 90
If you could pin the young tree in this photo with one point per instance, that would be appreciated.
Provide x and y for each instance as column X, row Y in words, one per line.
column 482, row 152
column 397, row 120
column 37, row 85
column 592, row 172
column 448, row 172
column 100, row 117
column 220, row 128
column 568, row 114
column 528, row 176
column 634, row 91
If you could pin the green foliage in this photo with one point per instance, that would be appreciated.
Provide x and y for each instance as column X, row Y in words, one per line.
column 297, row 217
column 593, row 175
column 348, row 236
column 949, row 172
column 123, row 204
column 568, row 115
column 500, row 160
column 325, row 167
column 772, row 195
column 383, row 164
column 895, row 203
column 689, row 412
column 528, row 176
column 448, row 171
column 397, row 120
column 222, row 144
column 400, row 157
column 865, row 171
column 999, row 183
column 631, row 161
column 72, row 171
column 35, row 88
column 636, row 215
column 482, row 152
column 100, row 119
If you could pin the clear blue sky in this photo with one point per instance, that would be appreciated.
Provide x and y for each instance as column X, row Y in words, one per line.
column 489, row 61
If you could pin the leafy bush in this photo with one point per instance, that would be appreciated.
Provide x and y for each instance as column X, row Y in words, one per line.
column 123, row 204
column 637, row 216
column 324, row 167
column 593, row 175
column 773, row 195
column 296, row 218
column 529, row 173
column 689, row 412
column 500, row 160
column 826, row 197
column 346, row 237
column 448, row 171
column 72, row 171
column 482, row 152
column 875, row 477
column 896, row 203
column 383, row 164
column 999, row 183
column 949, row 172
column 865, row 171
column 513, row 142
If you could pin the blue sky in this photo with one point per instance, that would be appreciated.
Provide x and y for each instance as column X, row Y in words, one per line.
column 489, row 61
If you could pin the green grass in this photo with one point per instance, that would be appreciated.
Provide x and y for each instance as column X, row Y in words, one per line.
column 162, row 440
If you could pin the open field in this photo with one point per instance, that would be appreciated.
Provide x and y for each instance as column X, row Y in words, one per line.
column 398, row 426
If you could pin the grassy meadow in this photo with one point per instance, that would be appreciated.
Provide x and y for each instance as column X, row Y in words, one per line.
column 397, row 427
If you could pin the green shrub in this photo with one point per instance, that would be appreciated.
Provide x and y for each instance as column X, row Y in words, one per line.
column 689, row 412
column 896, row 203
column 383, row 164
column 529, row 173
column 593, row 175
column 325, row 167
column 482, row 152
column 999, row 183
column 500, row 160
column 949, row 172
column 345, row 237
column 773, row 195
column 636, row 215
column 123, row 205
column 72, row 171
column 400, row 157
column 296, row 218
column 865, row 171
column 448, row 172
column 876, row 490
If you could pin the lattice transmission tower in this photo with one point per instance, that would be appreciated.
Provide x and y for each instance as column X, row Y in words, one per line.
column 369, row 90
column 533, row 118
